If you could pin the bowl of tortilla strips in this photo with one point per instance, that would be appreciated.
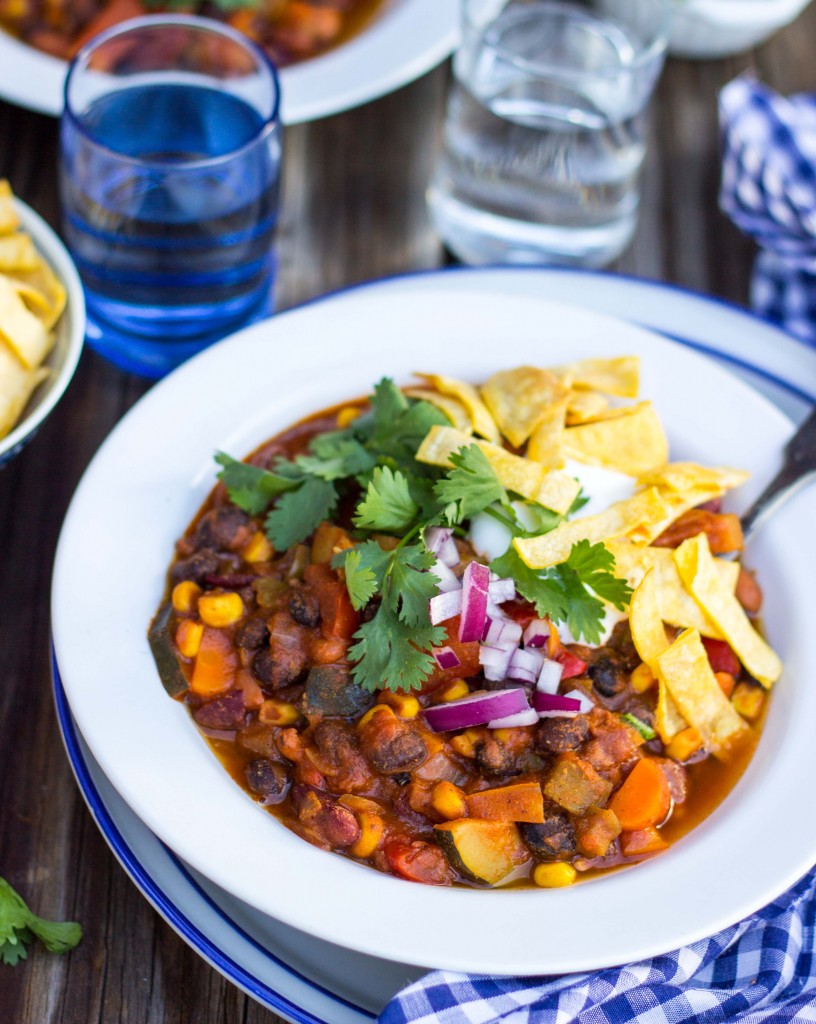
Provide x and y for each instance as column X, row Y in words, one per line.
column 42, row 322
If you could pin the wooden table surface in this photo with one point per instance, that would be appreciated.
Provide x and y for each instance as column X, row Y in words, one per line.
column 353, row 210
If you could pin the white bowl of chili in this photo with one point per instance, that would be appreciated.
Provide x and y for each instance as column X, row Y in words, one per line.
column 140, row 492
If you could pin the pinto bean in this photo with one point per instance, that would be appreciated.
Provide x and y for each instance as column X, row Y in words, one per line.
column 329, row 819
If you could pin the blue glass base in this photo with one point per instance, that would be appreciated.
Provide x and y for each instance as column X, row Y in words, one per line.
column 152, row 357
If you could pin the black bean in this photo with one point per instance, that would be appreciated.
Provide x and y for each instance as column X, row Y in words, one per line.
column 252, row 634
column 552, row 839
column 608, row 676
column 195, row 568
column 268, row 779
column 225, row 527
column 304, row 608
column 555, row 735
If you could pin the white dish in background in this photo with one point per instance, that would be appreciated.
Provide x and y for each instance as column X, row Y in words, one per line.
column 70, row 335
column 719, row 28
column 403, row 41
column 154, row 471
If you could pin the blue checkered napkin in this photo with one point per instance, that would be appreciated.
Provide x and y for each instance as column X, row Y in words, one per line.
column 759, row 971
column 768, row 189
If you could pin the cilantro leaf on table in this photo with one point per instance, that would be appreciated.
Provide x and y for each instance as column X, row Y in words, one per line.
column 298, row 513
column 470, row 486
column 250, row 487
column 19, row 926
column 387, row 504
column 391, row 654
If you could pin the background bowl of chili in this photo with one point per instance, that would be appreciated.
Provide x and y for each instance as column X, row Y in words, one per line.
column 402, row 40
column 154, row 472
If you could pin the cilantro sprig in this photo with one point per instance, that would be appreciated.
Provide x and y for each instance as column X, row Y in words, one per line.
column 19, row 927
column 373, row 463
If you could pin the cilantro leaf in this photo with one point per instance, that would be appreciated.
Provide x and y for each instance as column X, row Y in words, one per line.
column 392, row 654
column 387, row 504
column 19, row 926
column 410, row 586
column 250, row 487
column 541, row 588
column 336, row 455
column 297, row 513
column 365, row 566
column 595, row 565
column 470, row 486
column 585, row 612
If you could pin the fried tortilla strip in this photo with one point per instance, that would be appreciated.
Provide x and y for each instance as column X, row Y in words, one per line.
column 518, row 400
column 23, row 332
column 685, row 485
column 615, row 521
column 685, row 670
column 696, row 566
column 43, row 292
column 645, row 621
column 546, row 440
column 551, row 488
column 619, row 376
column 483, row 423
column 675, row 603
column 453, row 409
column 18, row 252
column 583, row 406
column 633, row 443
column 9, row 221
column 17, row 383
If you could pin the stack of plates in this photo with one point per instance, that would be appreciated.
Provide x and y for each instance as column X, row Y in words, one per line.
column 302, row 977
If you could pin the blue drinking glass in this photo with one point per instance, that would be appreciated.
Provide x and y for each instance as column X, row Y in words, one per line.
column 171, row 148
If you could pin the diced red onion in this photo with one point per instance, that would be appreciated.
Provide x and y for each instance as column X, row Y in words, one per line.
column 446, row 657
column 529, row 717
column 439, row 540
column 549, row 678
column 445, row 606
column 524, row 665
column 474, row 602
column 477, row 709
column 586, row 704
column 553, row 705
column 501, row 590
column 504, row 632
column 495, row 661
column 448, row 580
column 537, row 633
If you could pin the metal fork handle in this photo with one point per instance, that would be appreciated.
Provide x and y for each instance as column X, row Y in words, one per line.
column 798, row 468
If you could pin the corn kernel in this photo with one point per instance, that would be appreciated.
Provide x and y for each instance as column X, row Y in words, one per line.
column 258, row 549
column 462, row 745
column 458, row 688
column 347, row 415
column 278, row 712
column 726, row 681
column 684, row 744
column 378, row 709
column 185, row 597
column 188, row 637
column 372, row 830
column 449, row 801
column 554, row 876
column 404, row 704
column 748, row 700
column 502, row 735
column 642, row 679
column 220, row 609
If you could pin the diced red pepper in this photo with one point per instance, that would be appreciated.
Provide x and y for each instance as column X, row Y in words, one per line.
column 522, row 612
column 570, row 663
column 721, row 657
column 467, row 653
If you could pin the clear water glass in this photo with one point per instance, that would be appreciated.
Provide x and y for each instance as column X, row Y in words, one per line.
column 171, row 148
column 545, row 132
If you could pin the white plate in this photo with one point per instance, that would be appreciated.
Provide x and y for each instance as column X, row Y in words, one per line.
column 153, row 473
column 407, row 38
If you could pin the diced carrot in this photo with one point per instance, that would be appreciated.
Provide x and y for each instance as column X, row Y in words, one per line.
column 337, row 615
column 522, row 801
column 642, row 841
column 726, row 681
column 328, row 540
column 644, row 798
column 215, row 664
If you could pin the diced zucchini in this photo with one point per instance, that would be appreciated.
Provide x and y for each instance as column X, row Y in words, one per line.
column 483, row 851
column 161, row 647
